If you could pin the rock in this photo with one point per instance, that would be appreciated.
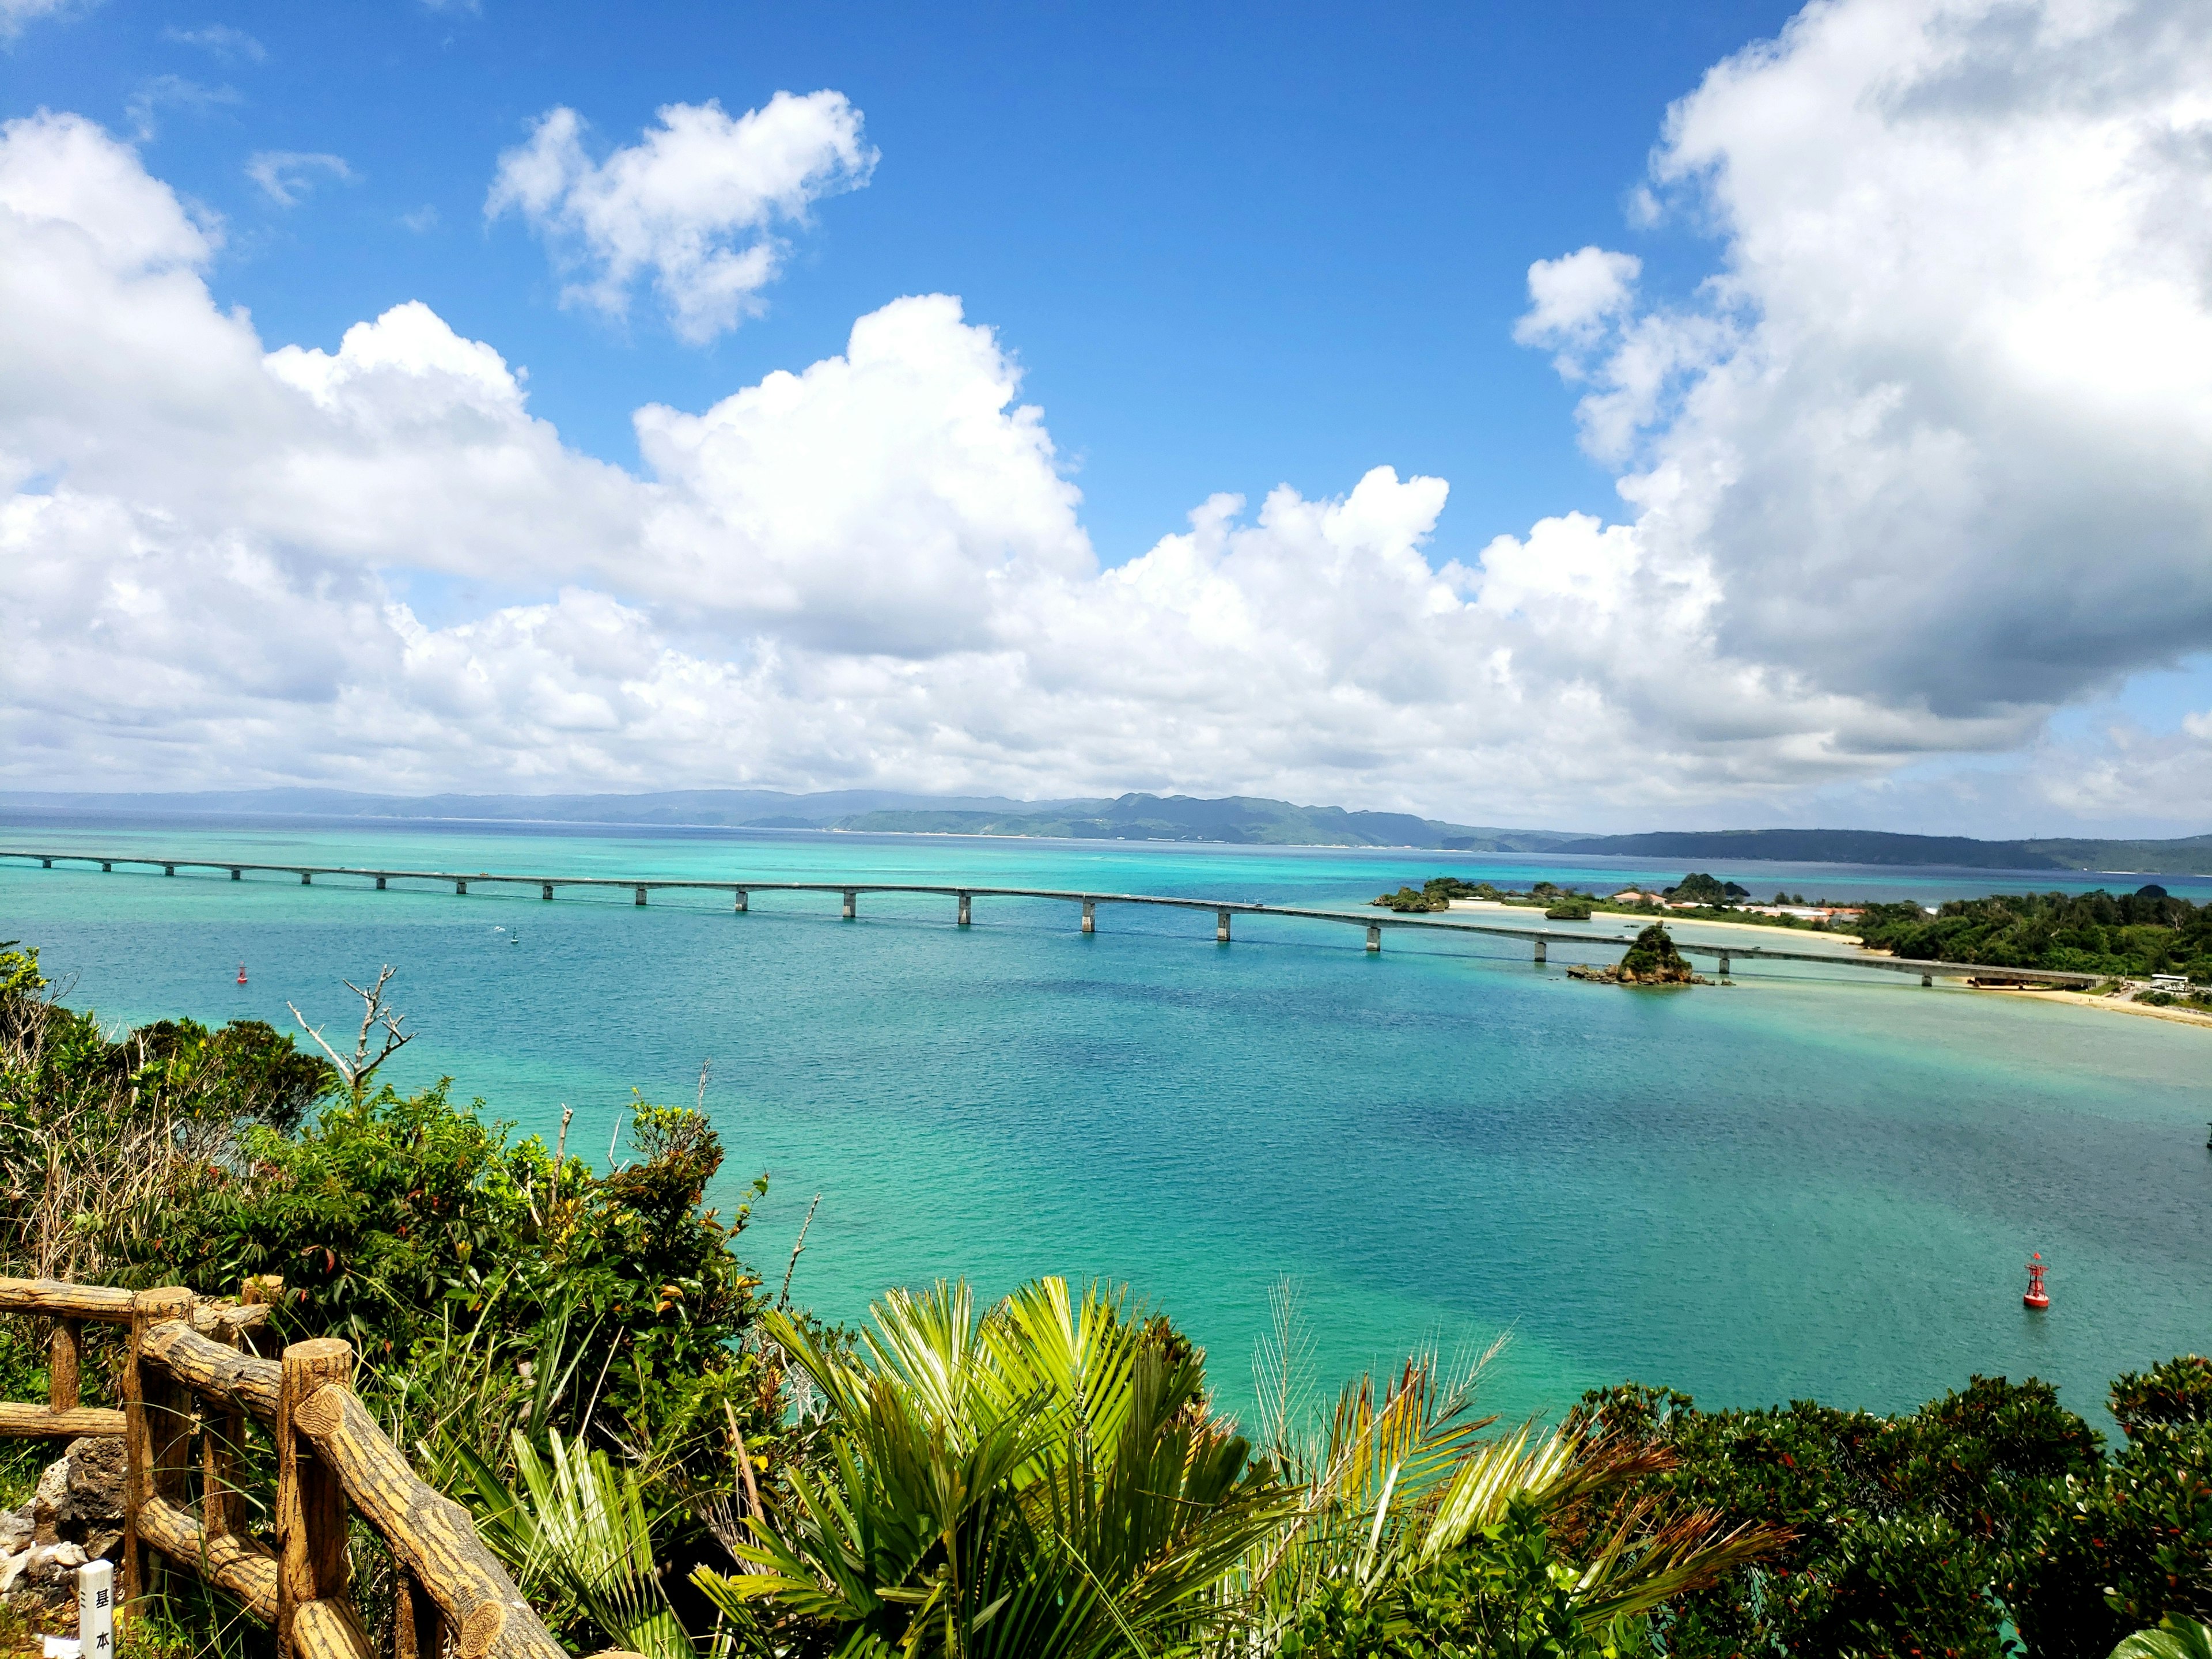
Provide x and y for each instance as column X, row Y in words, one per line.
column 1651, row 960
column 75, row 1517
column 98, row 1475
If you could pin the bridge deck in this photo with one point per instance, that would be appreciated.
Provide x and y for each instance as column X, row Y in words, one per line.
column 1729, row 953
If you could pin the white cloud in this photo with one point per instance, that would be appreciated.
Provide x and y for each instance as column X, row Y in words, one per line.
column 1573, row 297
column 172, row 92
column 695, row 203
column 15, row 14
column 220, row 40
column 288, row 177
column 1927, row 458
column 1940, row 428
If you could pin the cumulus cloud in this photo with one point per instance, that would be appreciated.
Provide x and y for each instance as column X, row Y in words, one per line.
column 1940, row 428
column 1927, row 458
column 1573, row 297
column 696, row 203
column 288, row 177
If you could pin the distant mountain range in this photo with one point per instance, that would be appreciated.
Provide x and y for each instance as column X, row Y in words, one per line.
column 2190, row 855
column 1236, row 819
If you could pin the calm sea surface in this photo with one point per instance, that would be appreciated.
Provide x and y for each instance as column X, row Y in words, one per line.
column 1817, row 1182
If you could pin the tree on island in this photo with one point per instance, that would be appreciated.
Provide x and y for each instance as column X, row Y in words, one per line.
column 1699, row 888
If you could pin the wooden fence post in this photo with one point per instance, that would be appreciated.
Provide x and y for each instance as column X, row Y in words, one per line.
column 157, row 1425
column 417, row 1627
column 219, row 1511
column 262, row 1290
column 65, row 1365
column 311, row 1510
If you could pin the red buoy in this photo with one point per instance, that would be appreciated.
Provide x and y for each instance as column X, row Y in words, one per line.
column 241, row 973
column 2037, row 1296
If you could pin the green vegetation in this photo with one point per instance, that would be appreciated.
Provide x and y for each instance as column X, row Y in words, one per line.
column 1696, row 888
column 1929, row 1531
column 2145, row 932
column 1653, row 960
column 1708, row 899
column 674, row 1462
column 1437, row 893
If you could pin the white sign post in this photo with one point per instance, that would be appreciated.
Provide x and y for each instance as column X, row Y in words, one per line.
column 95, row 1610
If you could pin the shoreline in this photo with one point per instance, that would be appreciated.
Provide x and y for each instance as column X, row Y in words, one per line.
column 1682, row 921
column 2110, row 1004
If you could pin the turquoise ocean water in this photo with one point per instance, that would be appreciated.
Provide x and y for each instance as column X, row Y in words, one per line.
column 1817, row 1182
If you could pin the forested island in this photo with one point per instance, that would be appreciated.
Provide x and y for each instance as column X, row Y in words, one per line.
column 1697, row 897
column 674, row 1458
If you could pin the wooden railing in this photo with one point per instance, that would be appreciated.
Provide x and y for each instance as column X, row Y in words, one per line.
column 187, row 1352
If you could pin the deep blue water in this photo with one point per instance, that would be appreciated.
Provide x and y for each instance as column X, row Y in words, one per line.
column 1819, row 1181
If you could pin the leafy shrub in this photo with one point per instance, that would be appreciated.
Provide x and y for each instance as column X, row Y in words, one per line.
column 1901, row 1525
column 2180, row 1391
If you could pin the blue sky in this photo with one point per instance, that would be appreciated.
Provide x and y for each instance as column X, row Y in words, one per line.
column 1610, row 415
column 1232, row 246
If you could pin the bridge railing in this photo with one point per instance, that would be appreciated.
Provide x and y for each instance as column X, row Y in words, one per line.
column 187, row 1352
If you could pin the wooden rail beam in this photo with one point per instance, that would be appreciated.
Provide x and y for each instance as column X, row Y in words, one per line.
column 222, row 1373
column 51, row 1296
column 431, row 1536
column 21, row 1421
column 245, row 1568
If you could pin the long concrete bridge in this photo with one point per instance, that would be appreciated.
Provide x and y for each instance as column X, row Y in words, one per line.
column 741, row 891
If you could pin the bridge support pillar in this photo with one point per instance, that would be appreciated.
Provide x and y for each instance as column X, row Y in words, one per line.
column 168, row 869
column 46, row 864
column 380, row 884
column 1724, row 964
column 738, row 907
column 106, row 866
column 1221, row 926
column 640, row 895
column 1090, row 917
column 1927, row 979
column 964, row 910
column 852, row 904
column 1540, row 951
column 306, row 878
column 461, row 887
column 1374, row 936
column 237, row 874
